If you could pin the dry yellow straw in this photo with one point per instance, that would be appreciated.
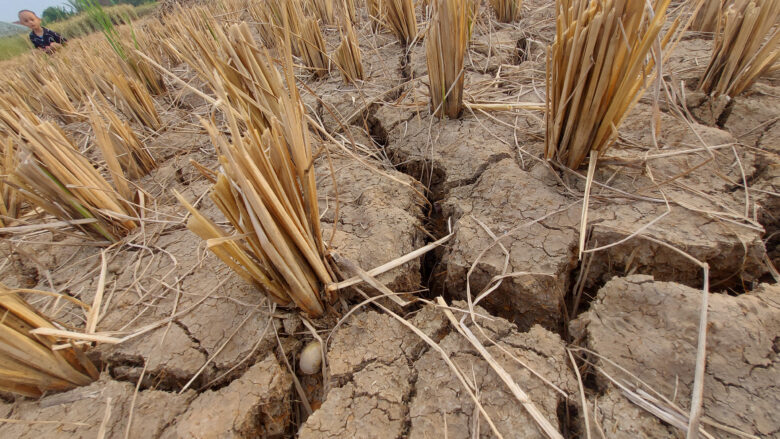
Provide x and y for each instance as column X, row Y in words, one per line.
column 267, row 188
column 347, row 54
column 445, row 48
column 28, row 364
column 400, row 19
column 747, row 45
column 597, row 69
column 507, row 11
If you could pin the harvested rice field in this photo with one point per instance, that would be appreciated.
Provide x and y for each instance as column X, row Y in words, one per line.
column 395, row 219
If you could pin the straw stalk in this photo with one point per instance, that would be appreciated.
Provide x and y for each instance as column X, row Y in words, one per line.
column 709, row 16
column 312, row 47
column 9, row 199
column 347, row 54
column 54, row 176
column 29, row 365
column 125, row 156
column 597, row 69
column 400, row 19
column 445, row 48
column 747, row 45
column 266, row 187
column 507, row 11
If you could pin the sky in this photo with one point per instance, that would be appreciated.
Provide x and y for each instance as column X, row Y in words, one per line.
column 10, row 8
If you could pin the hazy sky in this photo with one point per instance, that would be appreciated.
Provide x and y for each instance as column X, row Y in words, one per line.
column 10, row 8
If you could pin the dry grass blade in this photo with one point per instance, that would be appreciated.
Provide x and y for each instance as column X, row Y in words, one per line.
column 347, row 54
column 708, row 17
column 445, row 48
column 9, row 199
column 597, row 69
column 28, row 364
column 400, row 19
column 58, row 101
column 747, row 45
column 507, row 11
column 54, row 176
column 267, row 188
column 324, row 9
column 134, row 100
column 312, row 47
column 374, row 9
column 125, row 155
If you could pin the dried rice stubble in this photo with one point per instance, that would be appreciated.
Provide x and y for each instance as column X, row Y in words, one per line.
column 747, row 45
column 597, row 70
column 266, row 188
column 29, row 365
column 347, row 55
column 55, row 177
column 445, row 49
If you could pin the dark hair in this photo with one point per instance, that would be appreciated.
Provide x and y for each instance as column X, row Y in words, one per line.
column 26, row 10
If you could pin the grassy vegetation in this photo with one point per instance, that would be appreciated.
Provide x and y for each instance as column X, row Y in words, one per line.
column 74, row 27
column 14, row 45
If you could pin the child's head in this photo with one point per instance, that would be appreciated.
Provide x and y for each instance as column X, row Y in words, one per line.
column 29, row 19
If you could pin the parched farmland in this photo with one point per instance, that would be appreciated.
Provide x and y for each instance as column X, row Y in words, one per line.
column 395, row 218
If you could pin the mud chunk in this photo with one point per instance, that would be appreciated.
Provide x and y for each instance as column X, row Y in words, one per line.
column 444, row 154
column 650, row 328
column 379, row 217
column 80, row 413
column 255, row 405
column 705, row 216
column 387, row 383
column 540, row 227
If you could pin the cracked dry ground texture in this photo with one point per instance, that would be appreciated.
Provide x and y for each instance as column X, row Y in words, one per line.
column 650, row 329
column 257, row 404
column 387, row 383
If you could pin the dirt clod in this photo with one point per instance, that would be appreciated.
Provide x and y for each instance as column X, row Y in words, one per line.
column 650, row 329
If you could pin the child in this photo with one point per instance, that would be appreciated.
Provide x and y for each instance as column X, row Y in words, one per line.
column 42, row 38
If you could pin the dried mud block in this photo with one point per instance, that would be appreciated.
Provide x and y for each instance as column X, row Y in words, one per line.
column 494, row 49
column 339, row 104
column 688, row 61
column 448, row 153
column 379, row 219
column 224, row 313
column 168, row 365
column 541, row 228
column 764, row 189
column 650, row 328
column 734, row 253
column 706, row 215
column 173, row 141
column 80, row 413
column 256, row 405
column 388, row 383
column 614, row 416
column 752, row 117
column 440, row 404
column 538, row 20
column 372, row 378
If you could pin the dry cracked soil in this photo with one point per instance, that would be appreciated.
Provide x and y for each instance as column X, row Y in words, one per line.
column 605, row 339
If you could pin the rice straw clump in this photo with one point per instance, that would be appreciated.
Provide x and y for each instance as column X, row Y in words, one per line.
column 596, row 71
column 747, row 45
column 266, row 189
column 29, row 365
column 445, row 49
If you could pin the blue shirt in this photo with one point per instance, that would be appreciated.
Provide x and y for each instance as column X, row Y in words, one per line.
column 45, row 40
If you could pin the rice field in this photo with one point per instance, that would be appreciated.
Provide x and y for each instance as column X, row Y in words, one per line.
column 395, row 218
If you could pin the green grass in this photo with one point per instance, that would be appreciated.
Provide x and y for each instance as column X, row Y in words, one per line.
column 13, row 46
column 74, row 27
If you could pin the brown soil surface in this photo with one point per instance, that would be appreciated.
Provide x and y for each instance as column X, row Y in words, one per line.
column 400, row 178
column 649, row 328
column 387, row 383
